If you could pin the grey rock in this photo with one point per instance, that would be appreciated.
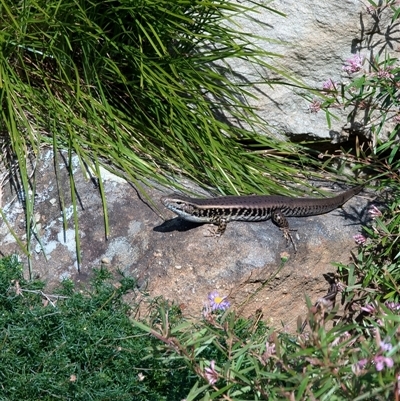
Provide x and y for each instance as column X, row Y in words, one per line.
column 179, row 260
column 315, row 39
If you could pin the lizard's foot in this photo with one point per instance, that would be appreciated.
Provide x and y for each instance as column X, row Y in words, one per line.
column 288, row 236
column 217, row 232
column 213, row 232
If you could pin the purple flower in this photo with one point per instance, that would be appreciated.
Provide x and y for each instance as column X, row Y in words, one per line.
column 269, row 351
column 359, row 366
column 385, row 346
column 217, row 302
column 328, row 86
column 353, row 64
column 362, row 362
column 381, row 361
column 393, row 306
column 315, row 106
column 374, row 212
column 385, row 73
column 211, row 374
column 369, row 308
column 359, row 239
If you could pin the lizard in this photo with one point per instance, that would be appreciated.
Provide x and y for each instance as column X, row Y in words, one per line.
column 221, row 210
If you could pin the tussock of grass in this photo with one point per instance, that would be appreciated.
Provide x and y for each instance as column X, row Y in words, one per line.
column 145, row 88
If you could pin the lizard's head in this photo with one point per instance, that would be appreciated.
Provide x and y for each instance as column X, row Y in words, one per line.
column 180, row 205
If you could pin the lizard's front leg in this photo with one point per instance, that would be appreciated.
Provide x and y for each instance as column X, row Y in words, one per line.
column 221, row 223
column 280, row 220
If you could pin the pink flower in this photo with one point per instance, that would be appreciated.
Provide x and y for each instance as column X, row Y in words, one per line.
column 269, row 351
column 329, row 86
column 211, row 374
column 359, row 366
column 374, row 212
column 381, row 361
column 362, row 362
column 359, row 239
column 385, row 346
column 315, row 106
column 369, row 308
column 385, row 73
column 353, row 64
column 393, row 306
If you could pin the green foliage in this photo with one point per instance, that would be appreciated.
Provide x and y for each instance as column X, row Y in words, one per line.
column 371, row 95
column 375, row 275
column 241, row 359
column 78, row 346
column 83, row 346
